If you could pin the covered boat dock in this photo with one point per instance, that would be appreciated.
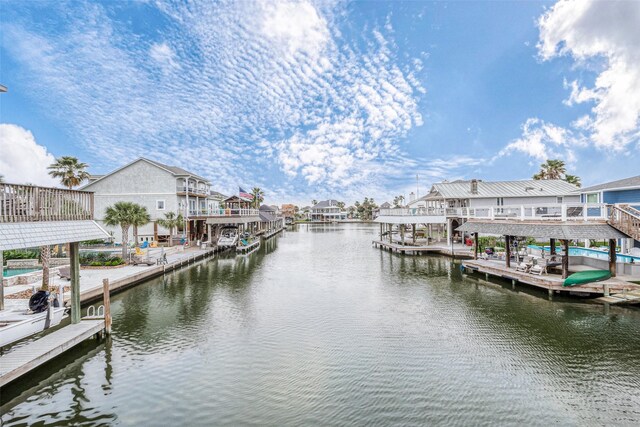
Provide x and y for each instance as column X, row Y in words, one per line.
column 555, row 231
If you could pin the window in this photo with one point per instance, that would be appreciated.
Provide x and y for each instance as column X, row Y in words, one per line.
column 593, row 198
column 160, row 205
column 500, row 201
column 560, row 200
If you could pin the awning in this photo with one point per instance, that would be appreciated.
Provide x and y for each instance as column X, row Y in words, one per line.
column 411, row 219
column 545, row 231
column 21, row 235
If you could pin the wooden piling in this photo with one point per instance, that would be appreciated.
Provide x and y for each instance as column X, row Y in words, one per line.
column 612, row 257
column 565, row 259
column 74, row 255
column 106, row 291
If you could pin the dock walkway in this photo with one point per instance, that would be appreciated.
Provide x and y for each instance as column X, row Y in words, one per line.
column 459, row 250
column 552, row 282
column 26, row 358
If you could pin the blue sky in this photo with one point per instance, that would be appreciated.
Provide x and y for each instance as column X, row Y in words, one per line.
column 310, row 100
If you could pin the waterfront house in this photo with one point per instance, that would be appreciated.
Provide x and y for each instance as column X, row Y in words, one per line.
column 270, row 220
column 450, row 204
column 621, row 192
column 160, row 188
column 288, row 210
column 327, row 210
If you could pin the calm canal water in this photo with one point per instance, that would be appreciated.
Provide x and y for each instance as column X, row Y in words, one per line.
column 319, row 328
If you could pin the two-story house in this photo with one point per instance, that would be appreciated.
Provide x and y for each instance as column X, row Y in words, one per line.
column 621, row 192
column 160, row 188
column 449, row 204
column 327, row 210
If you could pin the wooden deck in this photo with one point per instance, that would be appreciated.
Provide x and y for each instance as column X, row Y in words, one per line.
column 551, row 282
column 24, row 359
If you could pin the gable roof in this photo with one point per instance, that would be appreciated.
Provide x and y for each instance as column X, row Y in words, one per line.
column 174, row 170
column 385, row 205
column 326, row 204
column 633, row 182
column 487, row 189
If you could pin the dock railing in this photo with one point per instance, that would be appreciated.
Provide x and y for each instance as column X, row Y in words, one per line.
column 27, row 203
column 220, row 212
column 532, row 212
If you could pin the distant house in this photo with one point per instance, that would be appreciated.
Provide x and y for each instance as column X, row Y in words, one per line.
column 288, row 210
column 385, row 205
column 327, row 210
column 160, row 188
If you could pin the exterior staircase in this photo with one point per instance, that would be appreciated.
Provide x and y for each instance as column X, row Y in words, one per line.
column 626, row 219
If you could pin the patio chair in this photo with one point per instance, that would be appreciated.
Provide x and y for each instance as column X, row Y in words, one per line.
column 525, row 265
column 539, row 268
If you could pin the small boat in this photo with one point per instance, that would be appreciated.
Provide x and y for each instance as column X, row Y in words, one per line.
column 18, row 324
column 588, row 276
column 228, row 237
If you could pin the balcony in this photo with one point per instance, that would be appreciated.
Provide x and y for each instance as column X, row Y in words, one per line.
column 26, row 203
column 534, row 212
column 195, row 191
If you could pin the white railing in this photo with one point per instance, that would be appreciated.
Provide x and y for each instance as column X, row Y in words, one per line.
column 233, row 212
column 550, row 211
column 190, row 189
column 27, row 203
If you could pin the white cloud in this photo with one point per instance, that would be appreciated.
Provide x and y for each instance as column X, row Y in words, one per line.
column 609, row 32
column 233, row 90
column 23, row 160
column 542, row 141
column 164, row 56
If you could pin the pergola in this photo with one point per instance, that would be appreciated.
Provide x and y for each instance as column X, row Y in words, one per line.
column 551, row 231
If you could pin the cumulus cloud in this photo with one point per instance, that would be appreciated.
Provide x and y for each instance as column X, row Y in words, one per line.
column 231, row 86
column 606, row 32
column 23, row 161
column 541, row 141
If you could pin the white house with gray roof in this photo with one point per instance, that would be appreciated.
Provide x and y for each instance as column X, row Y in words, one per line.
column 327, row 210
column 477, row 193
column 160, row 188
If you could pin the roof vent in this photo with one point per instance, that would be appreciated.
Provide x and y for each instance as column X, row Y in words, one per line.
column 474, row 186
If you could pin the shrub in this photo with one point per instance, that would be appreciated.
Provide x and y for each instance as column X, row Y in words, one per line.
column 96, row 264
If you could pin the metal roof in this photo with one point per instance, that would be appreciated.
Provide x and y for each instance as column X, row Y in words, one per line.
column 267, row 216
column 326, row 204
column 411, row 219
column 546, row 231
column 633, row 182
column 495, row 189
column 21, row 235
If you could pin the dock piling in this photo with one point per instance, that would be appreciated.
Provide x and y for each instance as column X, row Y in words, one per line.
column 107, row 306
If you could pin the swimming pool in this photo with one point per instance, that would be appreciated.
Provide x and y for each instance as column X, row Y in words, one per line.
column 17, row 271
column 594, row 253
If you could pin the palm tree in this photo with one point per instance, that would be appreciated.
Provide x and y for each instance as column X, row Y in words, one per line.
column 70, row 171
column 573, row 179
column 340, row 205
column 314, row 202
column 551, row 169
column 171, row 221
column 258, row 196
column 140, row 217
column 1, row 179
column 45, row 255
column 124, row 215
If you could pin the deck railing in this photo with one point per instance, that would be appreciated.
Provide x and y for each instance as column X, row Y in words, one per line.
column 27, row 203
column 224, row 212
column 538, row 212
column 626, row 219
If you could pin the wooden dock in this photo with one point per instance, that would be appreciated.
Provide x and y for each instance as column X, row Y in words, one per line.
column 24, row 359
column 416, row 250
column 551, row 282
